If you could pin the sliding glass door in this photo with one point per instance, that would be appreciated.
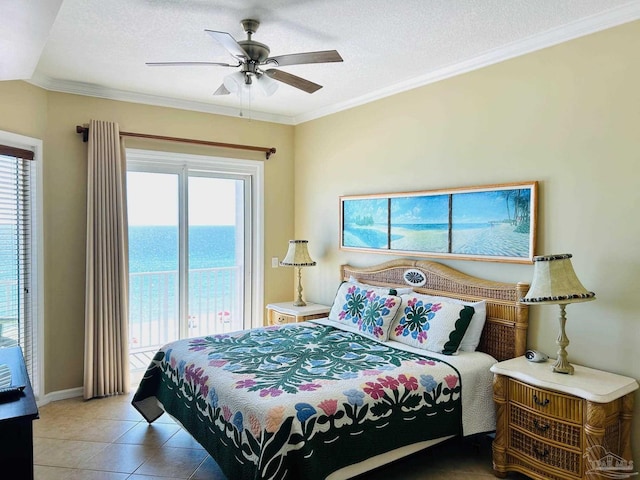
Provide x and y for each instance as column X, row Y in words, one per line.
column 216, row 254
column 154, row 259
column 189, row 253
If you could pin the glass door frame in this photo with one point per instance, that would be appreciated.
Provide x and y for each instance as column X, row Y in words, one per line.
column 252, row 173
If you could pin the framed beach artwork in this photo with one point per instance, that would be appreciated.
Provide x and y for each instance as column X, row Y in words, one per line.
column 491, row 223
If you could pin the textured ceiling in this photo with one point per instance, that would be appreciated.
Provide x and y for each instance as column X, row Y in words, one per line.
column 99, row 47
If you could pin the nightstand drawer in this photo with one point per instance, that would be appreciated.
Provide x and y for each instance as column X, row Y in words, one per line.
column 569, row 461
column 287, row 312
column 548, row 403
column 277, row 318
column 568, row 434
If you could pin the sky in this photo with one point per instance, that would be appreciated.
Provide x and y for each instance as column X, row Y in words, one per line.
column 420, row 210
column 152, row 199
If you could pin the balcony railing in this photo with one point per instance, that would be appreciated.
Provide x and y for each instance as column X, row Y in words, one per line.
column 9, row 331
column 215, row 306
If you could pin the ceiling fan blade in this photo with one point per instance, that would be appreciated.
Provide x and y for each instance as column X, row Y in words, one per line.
column 228, row 42
column 222, row 90
column 309, row 57
column 293, row 80
column 189, row 64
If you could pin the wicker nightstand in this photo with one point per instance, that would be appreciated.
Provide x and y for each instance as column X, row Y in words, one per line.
column 555, row 426
column 279, row 313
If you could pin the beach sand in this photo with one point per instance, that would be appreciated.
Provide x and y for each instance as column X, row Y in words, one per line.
column 419, row 240
column 497, row 240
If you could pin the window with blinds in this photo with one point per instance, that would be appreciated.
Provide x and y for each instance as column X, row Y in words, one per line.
column 17, row 303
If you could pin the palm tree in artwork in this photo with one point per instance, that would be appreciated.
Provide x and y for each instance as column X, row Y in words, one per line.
column 507, row 194
column 521, row 208
column 520, row 200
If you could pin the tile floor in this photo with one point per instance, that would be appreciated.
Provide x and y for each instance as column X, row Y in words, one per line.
column 107, row 439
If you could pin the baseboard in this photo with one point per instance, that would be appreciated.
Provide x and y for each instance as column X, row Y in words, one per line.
column 60, row 395
column 71, row 393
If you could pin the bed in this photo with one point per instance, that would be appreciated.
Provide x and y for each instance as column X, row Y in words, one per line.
column 380, row 378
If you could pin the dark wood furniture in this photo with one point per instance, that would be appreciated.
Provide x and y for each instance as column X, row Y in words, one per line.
column 17, row 412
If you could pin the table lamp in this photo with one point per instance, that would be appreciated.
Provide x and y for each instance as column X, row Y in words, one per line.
column 554, row 281
column 298, row 256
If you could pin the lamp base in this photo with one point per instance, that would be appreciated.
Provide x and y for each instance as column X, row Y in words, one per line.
column 562, row 365
column 299, row 302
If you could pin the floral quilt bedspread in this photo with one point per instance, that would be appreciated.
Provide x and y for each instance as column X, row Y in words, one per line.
column 299, row 401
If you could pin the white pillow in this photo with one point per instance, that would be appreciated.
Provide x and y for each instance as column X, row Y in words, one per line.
column 399, row 290
column 471, row 338
column 428, row 323
column 369, row 311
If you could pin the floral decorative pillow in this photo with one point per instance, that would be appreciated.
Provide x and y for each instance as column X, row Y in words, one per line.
column 431, row 324
column 365, row 310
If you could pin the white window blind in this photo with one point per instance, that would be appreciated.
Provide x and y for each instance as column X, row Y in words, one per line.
column 17, row 315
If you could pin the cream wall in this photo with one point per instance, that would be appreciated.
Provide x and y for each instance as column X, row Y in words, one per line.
column 23, row 109
column 567, row 116
column 53, row 117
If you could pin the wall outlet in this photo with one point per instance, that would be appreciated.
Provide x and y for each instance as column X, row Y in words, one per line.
column 275, row 262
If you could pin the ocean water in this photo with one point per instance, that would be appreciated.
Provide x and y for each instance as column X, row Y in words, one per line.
column 376, row 235
column 439, row 226
column 152, row 248
column 153, row 270
column 8, row 272
column 155, row 248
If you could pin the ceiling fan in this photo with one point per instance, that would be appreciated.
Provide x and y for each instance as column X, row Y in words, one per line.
column 252, row 59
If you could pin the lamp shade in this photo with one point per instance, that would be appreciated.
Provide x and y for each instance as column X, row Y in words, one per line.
column 297, row 255
column 554, row 281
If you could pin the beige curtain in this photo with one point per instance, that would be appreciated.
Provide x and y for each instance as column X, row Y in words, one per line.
column 106, row 362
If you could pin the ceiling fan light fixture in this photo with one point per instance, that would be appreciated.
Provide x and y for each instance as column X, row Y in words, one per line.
column 234, row 82
column 243, row 84
column 267, row 85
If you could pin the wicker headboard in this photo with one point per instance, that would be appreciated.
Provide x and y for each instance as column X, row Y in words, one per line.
column 505, row 331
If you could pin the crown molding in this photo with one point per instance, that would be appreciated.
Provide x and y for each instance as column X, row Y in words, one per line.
column 618, row 16
column 612, row 18
column 92, row 90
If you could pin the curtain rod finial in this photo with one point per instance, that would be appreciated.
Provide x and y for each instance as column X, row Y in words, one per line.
column 270, row 152
column 84, row 131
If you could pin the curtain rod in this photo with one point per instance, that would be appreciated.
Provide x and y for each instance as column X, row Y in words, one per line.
column 267, row 150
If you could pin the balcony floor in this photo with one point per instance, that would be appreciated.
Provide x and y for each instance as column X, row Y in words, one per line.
column 140, row 360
